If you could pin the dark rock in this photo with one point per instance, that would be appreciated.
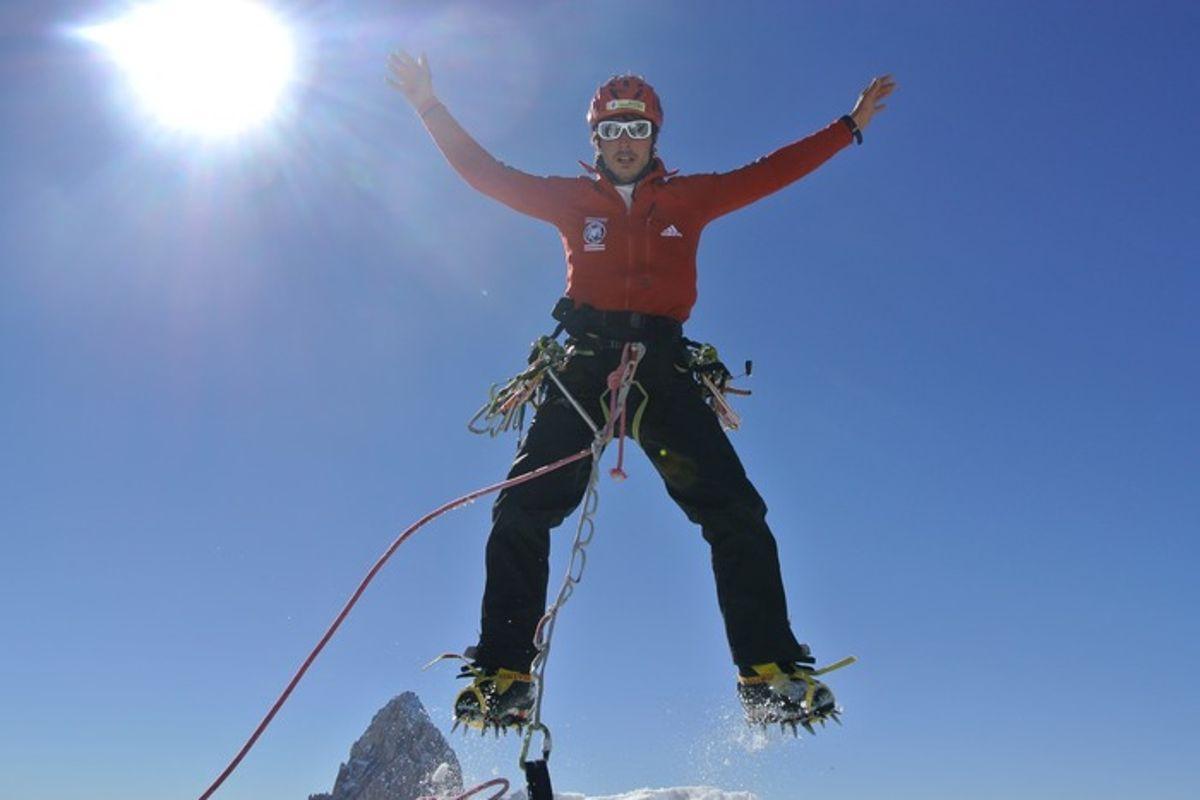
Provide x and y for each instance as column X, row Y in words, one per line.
column 400, row 757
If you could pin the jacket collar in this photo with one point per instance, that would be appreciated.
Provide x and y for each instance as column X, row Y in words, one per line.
column 657, row 172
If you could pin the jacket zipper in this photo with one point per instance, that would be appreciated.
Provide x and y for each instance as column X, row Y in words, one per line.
column 629, row 245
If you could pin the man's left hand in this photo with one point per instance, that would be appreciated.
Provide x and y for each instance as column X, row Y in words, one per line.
column 870, row 100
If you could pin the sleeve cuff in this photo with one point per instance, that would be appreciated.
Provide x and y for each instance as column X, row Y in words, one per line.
column 853, row 126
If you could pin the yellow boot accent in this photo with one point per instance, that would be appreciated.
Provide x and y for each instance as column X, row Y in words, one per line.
column 485, row 688
column 773, row 676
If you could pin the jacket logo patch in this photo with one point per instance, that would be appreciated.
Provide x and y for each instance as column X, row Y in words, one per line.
column 594, row 231
column 671, row 230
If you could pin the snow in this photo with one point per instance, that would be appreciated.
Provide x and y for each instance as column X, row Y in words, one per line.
column 678, row 793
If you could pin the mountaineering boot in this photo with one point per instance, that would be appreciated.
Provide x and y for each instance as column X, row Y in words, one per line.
column 497, row 699
column 788, row 694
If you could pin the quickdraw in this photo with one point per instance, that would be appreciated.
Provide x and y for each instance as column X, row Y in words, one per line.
column 714, row 378
column 505, row 408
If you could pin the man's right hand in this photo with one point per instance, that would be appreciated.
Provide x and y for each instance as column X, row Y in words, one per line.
column 411, row 76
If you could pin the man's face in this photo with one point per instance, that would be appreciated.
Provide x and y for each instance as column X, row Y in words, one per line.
column 625, row 157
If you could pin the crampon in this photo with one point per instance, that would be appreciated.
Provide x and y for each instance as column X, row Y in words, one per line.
column 791, row 697
column 496, row 701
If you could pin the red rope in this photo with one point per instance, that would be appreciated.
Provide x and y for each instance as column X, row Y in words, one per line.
column 453, row 504
column 615, row 379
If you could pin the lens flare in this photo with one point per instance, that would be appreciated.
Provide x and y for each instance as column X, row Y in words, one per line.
column 211, row 67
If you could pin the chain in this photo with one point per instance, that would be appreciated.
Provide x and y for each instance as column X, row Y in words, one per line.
column 619, row 382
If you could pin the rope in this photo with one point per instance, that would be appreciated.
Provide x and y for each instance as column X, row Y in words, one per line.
column 621, row 378
column 337, row 622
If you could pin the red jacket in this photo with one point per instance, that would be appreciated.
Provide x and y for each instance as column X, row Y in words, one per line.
column 643, row 258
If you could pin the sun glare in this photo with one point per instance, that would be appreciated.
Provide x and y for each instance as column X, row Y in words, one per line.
column 211, row 67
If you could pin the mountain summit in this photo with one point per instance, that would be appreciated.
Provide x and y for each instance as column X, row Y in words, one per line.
column 401, row 756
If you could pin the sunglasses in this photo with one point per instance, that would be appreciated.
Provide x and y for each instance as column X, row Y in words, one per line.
column 611, row 129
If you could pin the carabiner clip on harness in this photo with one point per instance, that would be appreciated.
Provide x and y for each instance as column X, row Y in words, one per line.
column 714, row 378
column 505, row 407
column 506, row 403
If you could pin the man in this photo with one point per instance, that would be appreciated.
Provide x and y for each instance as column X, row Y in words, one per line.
column 630, row 231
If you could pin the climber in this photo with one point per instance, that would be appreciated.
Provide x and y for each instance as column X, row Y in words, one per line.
column 630, row 229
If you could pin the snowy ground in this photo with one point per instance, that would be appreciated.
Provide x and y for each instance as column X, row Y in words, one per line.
column 681, row 793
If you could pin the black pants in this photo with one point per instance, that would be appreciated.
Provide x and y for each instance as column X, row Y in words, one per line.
column 683, row 439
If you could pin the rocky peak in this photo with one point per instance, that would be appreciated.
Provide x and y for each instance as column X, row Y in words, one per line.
column 401, row 756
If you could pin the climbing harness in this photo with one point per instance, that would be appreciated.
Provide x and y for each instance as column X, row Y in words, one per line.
column 507, row 402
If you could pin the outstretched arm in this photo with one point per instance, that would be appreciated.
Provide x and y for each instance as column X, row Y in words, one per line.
column 528, row 194
column 730, row 191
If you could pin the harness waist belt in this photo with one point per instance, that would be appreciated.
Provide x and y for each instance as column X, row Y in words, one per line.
column 625, row 326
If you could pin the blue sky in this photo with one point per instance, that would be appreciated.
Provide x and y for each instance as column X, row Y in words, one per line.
column 231, row 373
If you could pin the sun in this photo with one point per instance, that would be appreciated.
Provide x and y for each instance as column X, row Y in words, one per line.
column 209, row 67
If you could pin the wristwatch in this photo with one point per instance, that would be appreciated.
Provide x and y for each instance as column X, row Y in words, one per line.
column 853, row 126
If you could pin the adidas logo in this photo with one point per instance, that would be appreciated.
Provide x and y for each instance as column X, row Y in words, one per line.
column 670, row 230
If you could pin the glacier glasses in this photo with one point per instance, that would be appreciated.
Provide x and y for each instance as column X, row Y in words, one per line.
column 610, row 129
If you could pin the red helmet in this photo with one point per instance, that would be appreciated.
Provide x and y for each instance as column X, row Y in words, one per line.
column 625, row 95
